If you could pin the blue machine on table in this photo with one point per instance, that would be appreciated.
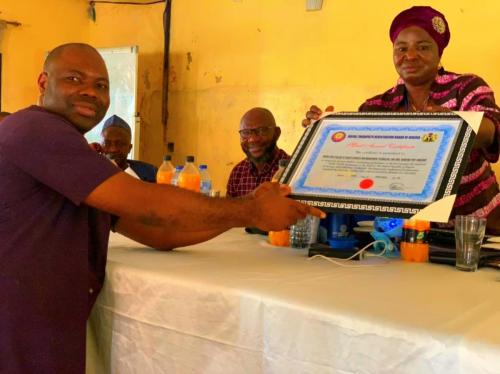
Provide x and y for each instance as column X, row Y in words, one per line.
column 339, row 227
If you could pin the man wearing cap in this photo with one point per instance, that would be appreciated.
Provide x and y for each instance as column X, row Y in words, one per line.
column 419, row 36
column 116, row 145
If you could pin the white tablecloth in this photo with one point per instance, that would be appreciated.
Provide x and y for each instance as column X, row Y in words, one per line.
column 238, row 305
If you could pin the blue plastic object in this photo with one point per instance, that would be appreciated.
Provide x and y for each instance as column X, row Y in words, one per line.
column 338, row 225
column 389, row 226
column 387, row 230
column 348, row 242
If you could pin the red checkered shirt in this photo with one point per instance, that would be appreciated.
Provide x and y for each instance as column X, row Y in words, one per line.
column 245, row 177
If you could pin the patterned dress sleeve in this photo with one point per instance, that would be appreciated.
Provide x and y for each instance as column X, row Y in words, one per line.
column 477, row 96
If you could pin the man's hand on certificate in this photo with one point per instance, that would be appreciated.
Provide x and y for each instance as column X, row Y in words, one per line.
column 314, row 114
column 274, row 211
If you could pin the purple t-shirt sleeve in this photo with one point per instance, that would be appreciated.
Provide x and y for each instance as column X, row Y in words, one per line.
column 48, row 147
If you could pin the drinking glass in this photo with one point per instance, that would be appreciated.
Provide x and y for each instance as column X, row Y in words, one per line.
column 469, row 234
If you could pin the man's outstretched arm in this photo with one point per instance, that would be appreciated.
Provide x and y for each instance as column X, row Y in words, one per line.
column 162, row 215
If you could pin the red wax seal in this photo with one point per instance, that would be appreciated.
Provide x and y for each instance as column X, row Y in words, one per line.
column 366, row 184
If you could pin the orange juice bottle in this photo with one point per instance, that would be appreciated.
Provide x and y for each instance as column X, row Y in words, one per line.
column 414, row 246
column 165, row 171
column 189, row 178
column 279, row 238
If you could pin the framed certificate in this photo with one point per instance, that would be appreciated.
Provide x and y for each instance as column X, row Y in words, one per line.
column 391, row 164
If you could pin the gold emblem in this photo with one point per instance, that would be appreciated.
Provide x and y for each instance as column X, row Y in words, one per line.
column 429, row 138
column 438, row 24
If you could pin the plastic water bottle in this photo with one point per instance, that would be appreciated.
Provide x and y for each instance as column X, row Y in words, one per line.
column 300, row 233
column 189, row 177
column 175, row 177
column 165, row 171
column 205, row 181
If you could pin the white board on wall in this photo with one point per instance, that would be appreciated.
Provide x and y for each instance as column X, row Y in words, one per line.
column 122, row 69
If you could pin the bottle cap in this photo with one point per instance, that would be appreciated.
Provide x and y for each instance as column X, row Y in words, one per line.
column 202, row 167
column 190, row 159
column 167, row 158
column 423, row 225
column 409, row 224
column 283, row 162
column 179, row 167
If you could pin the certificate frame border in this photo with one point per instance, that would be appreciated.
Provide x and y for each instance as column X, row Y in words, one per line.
column 448, row 184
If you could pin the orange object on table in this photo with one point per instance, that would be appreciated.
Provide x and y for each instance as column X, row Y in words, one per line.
column 414, row 246
column 279, row 238
column 164, row 177
column 190, row 182
column 165, row 171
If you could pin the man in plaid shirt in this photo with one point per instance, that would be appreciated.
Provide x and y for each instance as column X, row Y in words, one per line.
column 258, row 137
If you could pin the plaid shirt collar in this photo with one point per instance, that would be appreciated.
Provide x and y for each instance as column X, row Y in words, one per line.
column 268, row 165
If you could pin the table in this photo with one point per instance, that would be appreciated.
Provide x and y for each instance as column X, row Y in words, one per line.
column 236, row 304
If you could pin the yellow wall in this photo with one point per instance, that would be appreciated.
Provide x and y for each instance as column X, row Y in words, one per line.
column 277, row 55
column 48, row 23
column 230, row 55
column 141, row 25
column 45, row 24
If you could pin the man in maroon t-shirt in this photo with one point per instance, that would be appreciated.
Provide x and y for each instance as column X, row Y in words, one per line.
column 258, row 137
column 56, row 200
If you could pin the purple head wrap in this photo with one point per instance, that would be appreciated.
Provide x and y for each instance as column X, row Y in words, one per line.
column 426, row 18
